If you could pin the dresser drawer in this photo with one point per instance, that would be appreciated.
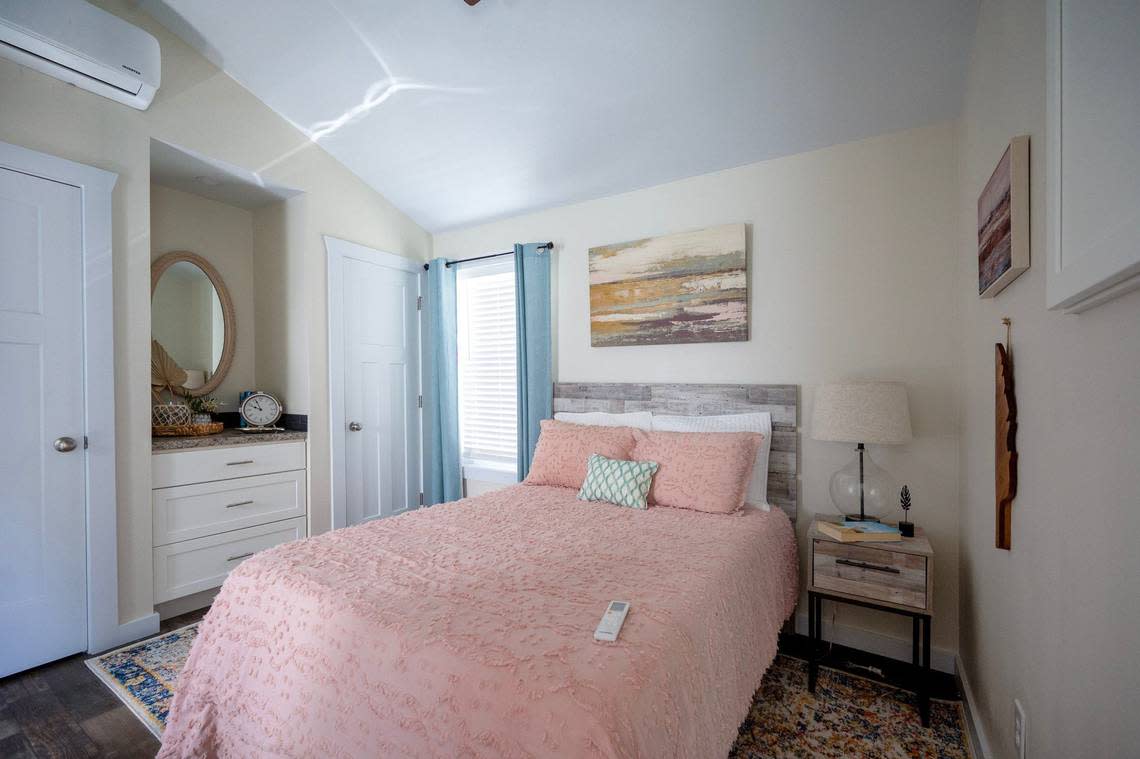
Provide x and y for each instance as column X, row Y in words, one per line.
column 203, row 563
column 888, row 576
column 209, row 464
column 194, row 511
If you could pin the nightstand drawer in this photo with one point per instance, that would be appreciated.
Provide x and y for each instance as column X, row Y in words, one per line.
column 896, row 578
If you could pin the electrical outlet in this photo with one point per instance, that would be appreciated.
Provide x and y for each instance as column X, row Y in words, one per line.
column 1020, row 726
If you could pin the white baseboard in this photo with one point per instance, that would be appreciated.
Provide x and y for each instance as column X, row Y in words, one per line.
column 876, row 643
column 978, row 739
column 143, row 627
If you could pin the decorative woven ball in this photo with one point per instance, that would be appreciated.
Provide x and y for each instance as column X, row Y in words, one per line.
column 164, row 414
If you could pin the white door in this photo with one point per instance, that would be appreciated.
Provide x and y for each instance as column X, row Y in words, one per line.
column 43, row 580
column 374, row 327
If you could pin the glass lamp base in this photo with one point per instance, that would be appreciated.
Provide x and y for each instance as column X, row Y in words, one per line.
column 869, row 486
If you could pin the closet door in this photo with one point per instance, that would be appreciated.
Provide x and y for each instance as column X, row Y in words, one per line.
column 374, row 322
column 43, row 592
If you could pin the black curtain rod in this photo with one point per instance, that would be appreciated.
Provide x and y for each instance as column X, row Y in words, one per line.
column 544, row 246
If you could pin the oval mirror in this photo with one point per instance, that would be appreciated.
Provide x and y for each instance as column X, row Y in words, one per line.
column 192, row 318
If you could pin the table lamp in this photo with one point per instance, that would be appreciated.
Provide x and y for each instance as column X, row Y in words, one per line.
column 862, row 413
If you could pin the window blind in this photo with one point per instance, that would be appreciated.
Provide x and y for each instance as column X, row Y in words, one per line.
column 488, row 413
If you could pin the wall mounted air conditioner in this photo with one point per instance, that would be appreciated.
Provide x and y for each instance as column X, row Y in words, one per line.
column 84, row 45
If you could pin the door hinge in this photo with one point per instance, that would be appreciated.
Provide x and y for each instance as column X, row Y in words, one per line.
column 421, row 499
column 85, row 442
column 419, row 303
column 419, row 401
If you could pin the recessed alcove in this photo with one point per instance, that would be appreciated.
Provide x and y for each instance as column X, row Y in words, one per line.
column 235, row 219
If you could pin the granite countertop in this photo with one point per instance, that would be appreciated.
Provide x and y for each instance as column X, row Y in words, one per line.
column 228, row 437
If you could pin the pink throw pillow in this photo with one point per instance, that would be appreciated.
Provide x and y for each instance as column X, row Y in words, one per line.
column 703, row 471
column 563, row 451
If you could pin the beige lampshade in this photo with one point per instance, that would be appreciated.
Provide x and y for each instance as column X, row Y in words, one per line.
column 861, row 412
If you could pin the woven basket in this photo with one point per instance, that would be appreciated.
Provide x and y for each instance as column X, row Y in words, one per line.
column 186, row 430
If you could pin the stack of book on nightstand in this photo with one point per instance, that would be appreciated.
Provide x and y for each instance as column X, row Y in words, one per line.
column 860, row 532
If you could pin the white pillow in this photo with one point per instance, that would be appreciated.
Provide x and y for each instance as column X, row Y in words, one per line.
column 642, row 420
column 755, row 421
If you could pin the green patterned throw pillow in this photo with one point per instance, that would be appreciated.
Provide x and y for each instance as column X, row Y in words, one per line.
column 625, row 483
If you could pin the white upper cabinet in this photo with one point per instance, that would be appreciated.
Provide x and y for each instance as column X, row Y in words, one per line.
column 1094, row 152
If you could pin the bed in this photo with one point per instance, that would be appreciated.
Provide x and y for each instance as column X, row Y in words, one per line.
column 466, row 630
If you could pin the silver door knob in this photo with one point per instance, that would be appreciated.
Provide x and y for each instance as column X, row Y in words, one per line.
column 64, row 444
column 355, row 426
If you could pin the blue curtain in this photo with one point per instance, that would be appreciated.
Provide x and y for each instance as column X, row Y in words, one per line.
column 532, row 342
column 442, row 480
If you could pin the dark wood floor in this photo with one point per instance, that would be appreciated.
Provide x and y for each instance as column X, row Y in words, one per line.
column 62, row 710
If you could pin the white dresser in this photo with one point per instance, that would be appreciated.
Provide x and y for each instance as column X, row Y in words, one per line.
column 219, row 504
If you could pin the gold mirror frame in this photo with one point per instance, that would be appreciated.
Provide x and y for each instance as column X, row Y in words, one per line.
column 157, row 268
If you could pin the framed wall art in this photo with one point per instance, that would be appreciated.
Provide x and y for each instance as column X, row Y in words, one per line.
column 1003, row 221
column 688, row 287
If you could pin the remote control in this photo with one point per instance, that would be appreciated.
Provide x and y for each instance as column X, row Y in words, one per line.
column 612, row 621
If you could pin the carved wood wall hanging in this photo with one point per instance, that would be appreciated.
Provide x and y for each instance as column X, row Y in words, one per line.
column 1005, row 440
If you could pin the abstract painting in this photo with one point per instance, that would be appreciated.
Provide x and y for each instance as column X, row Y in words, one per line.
column 1003, row 221
column 689, row 287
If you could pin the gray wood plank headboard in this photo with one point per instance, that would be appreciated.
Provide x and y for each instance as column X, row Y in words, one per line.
column 781, row 401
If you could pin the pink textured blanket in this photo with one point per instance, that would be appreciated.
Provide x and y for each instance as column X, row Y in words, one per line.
column 466, row 630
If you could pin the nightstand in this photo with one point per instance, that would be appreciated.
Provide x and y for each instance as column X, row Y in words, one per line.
column 896, row 577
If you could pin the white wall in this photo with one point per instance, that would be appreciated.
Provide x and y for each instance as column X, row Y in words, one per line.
column 853, row 268
column 223, row 235
column 1055, row 621
column 280, row 306
column 200, row 108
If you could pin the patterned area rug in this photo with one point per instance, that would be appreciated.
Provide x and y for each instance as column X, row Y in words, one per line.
column 847, row 716
column 143, row 674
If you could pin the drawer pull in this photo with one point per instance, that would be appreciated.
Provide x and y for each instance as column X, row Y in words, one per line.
column 239, row 503
column 238, row 463
column 240, row 556
column 865, row 565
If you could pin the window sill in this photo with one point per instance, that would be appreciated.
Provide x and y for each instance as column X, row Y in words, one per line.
column 483, row 471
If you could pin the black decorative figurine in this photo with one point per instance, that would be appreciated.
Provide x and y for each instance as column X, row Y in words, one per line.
column 906, row 527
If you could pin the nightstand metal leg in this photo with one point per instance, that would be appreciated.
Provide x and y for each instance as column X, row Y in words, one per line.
column 924, row 684
column 914, row 641
column 811, row 623
column 819, row 619
column 813, row 640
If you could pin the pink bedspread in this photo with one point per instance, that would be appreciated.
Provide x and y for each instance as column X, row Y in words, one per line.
column 466, row 630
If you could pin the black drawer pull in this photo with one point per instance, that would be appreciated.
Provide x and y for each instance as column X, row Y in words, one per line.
column 865, row 565
column 238, row 463
column 240, row 556
column 239, row 503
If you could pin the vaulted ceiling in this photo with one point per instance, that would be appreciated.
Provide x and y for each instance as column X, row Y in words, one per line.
column 462, row 114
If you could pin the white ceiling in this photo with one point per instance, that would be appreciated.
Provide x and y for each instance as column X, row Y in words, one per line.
column 460, row 115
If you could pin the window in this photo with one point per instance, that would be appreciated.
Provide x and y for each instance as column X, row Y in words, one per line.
column 488, row 412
